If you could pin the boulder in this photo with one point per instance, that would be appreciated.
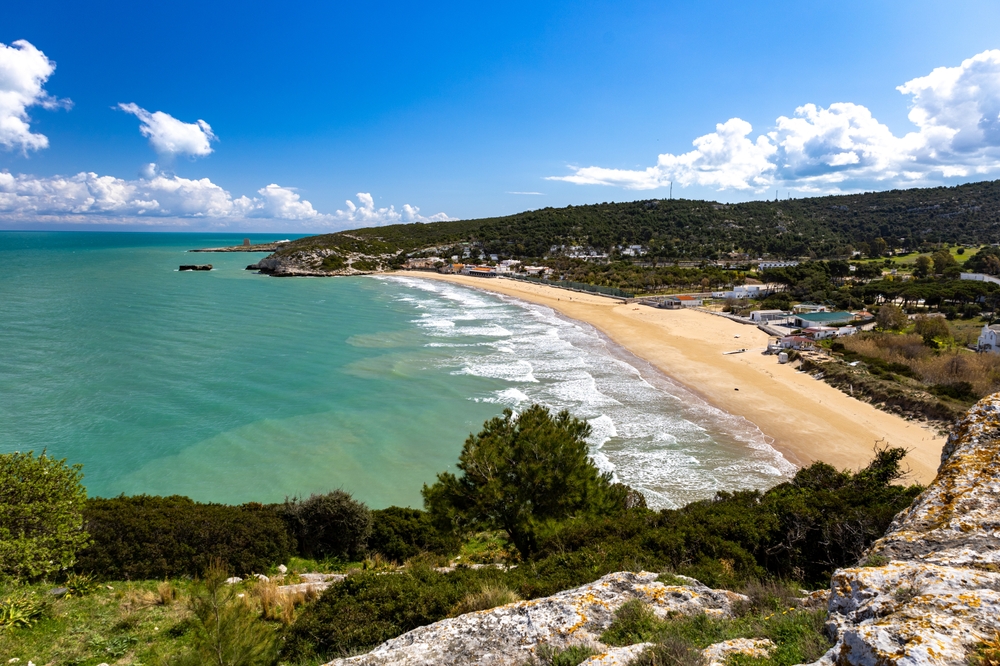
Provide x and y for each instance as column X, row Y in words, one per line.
column 510, row 635
column 930, row 592
column 195, row 267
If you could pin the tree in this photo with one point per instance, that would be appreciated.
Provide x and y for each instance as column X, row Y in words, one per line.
column 226, row 630
column 943, row 261
column 330, row 525
column 891, row 317
column 922, row 266
column 519, row 473
column 933, row 330
column 41, row 515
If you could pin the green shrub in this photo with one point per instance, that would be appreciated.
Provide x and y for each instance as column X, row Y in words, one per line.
column 41, row 515
column 489, row 596
column 546, row 655
column 520, row 473
column 799, row 530
column 333, row 525
column 227, row 631
column 21, row 611
column 401, row 533
column 143, row 537
column 634, row 622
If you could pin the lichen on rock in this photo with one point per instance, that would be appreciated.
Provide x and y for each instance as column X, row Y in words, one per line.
column 937, row 595
column 509, row 635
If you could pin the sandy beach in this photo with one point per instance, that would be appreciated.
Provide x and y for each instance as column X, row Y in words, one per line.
column 808, row 419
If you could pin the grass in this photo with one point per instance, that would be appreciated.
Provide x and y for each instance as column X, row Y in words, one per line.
column 486, row 548
column 797, row 634
column 122, row 623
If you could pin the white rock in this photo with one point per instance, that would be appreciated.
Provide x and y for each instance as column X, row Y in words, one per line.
column 262, row 578
column 938, row 595
column 282, row 569
column 233, row 580
column 716, row 655
column 508, row 635
column 616, row 656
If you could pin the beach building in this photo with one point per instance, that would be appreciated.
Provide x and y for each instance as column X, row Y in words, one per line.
column 820, row 332
column 797, row 342
column 823, row 319
column 423, row 262
column 808, row 307
column 764, row 265
column 681, row 301
column 479, row 271
column 746, row 291
column 764, row 316
column 508, row 266
column 989, row 339
column 537, row 270
column 846, row 330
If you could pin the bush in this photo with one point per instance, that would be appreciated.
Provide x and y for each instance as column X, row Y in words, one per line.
column 520, row 473
column 227, row 630
column 145, row 537
column 800, row 530
column 333, row 525
column 41, row 515
column 401, row 533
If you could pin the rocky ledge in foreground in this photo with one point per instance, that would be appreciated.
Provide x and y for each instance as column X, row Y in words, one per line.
column 934, row 593
column 509, row 635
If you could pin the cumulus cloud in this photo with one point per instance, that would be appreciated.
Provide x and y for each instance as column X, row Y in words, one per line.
column 956, row 111
column 156, row 197
column 23, row 73
column 170, row 136
column 366, row 214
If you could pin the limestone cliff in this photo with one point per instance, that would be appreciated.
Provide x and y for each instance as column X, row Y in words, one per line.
column 934, row 592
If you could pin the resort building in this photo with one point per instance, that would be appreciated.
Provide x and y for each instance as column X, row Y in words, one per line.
column 797, row 342
column 746, row 291
column 681, row 301
column 808, row 307
column 479, row 271
column 764, row 265
column 812, row 319
column 989, row 339
column 764, row 316
column 820, row 332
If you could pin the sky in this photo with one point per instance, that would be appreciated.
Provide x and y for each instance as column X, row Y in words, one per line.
column 311, row 117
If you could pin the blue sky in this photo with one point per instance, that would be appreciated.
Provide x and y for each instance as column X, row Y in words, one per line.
column 451, row 109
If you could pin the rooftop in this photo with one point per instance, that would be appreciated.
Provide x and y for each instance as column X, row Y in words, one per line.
column 820, row 317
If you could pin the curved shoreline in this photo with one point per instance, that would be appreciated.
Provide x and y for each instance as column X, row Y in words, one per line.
column 807, row 420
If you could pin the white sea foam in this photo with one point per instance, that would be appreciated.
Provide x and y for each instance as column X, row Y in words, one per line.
column 647, row 430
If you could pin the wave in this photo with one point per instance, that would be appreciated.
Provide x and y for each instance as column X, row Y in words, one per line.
column 647, row 430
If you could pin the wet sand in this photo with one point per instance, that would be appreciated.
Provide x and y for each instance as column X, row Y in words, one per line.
column 808, row 419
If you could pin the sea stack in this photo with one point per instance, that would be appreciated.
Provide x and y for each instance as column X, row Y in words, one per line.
column 196, row 267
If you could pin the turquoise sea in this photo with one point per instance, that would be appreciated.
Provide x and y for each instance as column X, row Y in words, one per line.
column 230, row 386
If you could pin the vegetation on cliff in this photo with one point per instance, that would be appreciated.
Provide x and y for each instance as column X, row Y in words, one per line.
column 800, row 530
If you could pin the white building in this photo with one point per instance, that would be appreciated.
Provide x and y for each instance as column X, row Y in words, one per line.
column 762, row 316
column 989, row 339
column 745, row 291
column 764, row 265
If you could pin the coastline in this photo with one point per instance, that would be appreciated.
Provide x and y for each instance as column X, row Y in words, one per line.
column 807, row 419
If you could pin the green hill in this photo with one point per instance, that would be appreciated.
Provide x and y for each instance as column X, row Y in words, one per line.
column 821, row 227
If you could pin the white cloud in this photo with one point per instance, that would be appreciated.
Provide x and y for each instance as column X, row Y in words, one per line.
column 843, row 147
column 170, row 136
column 157, row 198
column 367, row 215
column 23, row 71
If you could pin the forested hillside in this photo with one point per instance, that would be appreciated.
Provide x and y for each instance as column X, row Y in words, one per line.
column 820, row 227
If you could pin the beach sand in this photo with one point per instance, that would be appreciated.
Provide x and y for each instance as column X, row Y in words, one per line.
column 808, row 419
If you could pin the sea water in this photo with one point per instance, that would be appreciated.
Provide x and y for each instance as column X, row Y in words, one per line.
column 230, row 386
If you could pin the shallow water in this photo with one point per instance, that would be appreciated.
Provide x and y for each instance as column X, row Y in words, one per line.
column 229, row 386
